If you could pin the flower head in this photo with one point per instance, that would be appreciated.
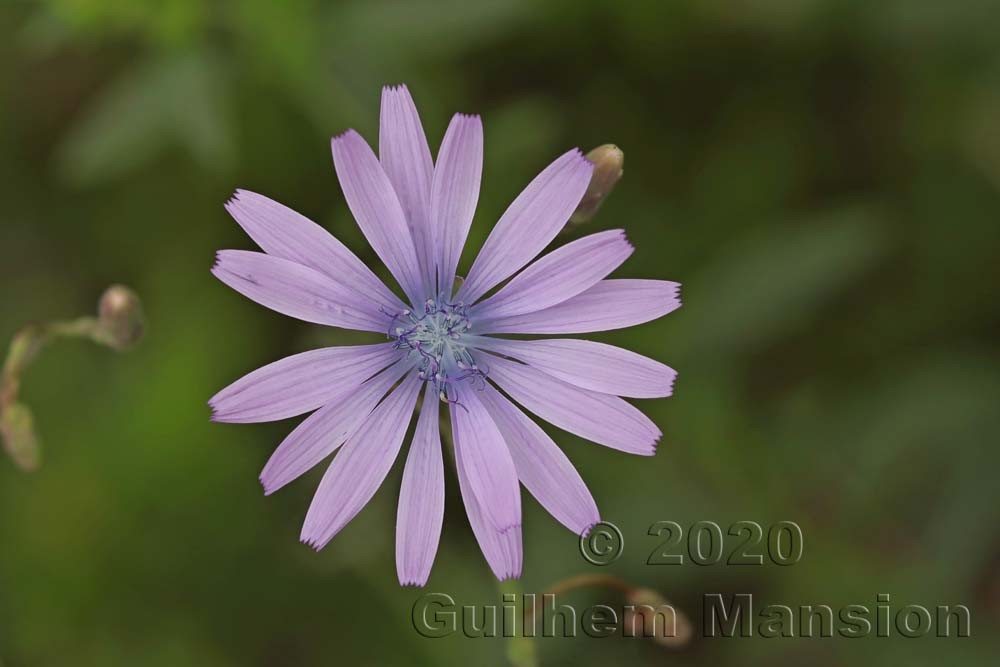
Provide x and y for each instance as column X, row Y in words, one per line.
column 442, row 340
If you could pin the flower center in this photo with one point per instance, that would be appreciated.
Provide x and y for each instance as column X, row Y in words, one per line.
column 438, row 336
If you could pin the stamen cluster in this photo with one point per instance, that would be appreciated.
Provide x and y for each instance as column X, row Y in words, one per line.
column 438, row 335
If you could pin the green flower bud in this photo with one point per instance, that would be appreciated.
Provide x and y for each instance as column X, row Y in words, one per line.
column 120, row 317
column 608, row 162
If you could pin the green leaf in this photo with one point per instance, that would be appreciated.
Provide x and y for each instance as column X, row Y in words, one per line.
column 173, row 100
column 763, row 286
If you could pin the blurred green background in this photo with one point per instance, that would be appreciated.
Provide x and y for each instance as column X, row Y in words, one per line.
column 822, row 176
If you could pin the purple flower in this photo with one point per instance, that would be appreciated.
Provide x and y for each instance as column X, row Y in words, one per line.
column 416, row 214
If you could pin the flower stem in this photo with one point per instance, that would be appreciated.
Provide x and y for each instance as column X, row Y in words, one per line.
column 521, row 650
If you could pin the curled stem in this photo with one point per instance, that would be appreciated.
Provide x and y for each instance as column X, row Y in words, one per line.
column 118, row 325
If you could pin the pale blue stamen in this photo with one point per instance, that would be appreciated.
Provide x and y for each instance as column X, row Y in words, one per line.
column 439, row 336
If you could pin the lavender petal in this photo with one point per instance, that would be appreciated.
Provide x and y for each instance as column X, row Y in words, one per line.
column 596, row 366
column 300, row 383
column 406, row 158
column 360, row 467
column 482, row 453
column 377, row 210
column 529, row 223
column 558, row 276
column 298, row 291
column 542, row 467
column 320, row 434
column 420, row 511
column 502, row 549
column 610, row 304
column 455, row 192
column 281, row 232
column 606, row 420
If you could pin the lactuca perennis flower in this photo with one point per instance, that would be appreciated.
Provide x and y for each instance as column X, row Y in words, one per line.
column 416, row 213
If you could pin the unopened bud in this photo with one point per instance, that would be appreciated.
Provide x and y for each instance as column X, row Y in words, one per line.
column 17, row 430
column 608, row 163
column 120, row 316
column 648, row 614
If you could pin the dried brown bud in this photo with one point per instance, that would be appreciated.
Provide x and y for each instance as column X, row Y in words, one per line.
column 648, row 614
column 608, row 162
column 120, row 316
column 17, row 430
